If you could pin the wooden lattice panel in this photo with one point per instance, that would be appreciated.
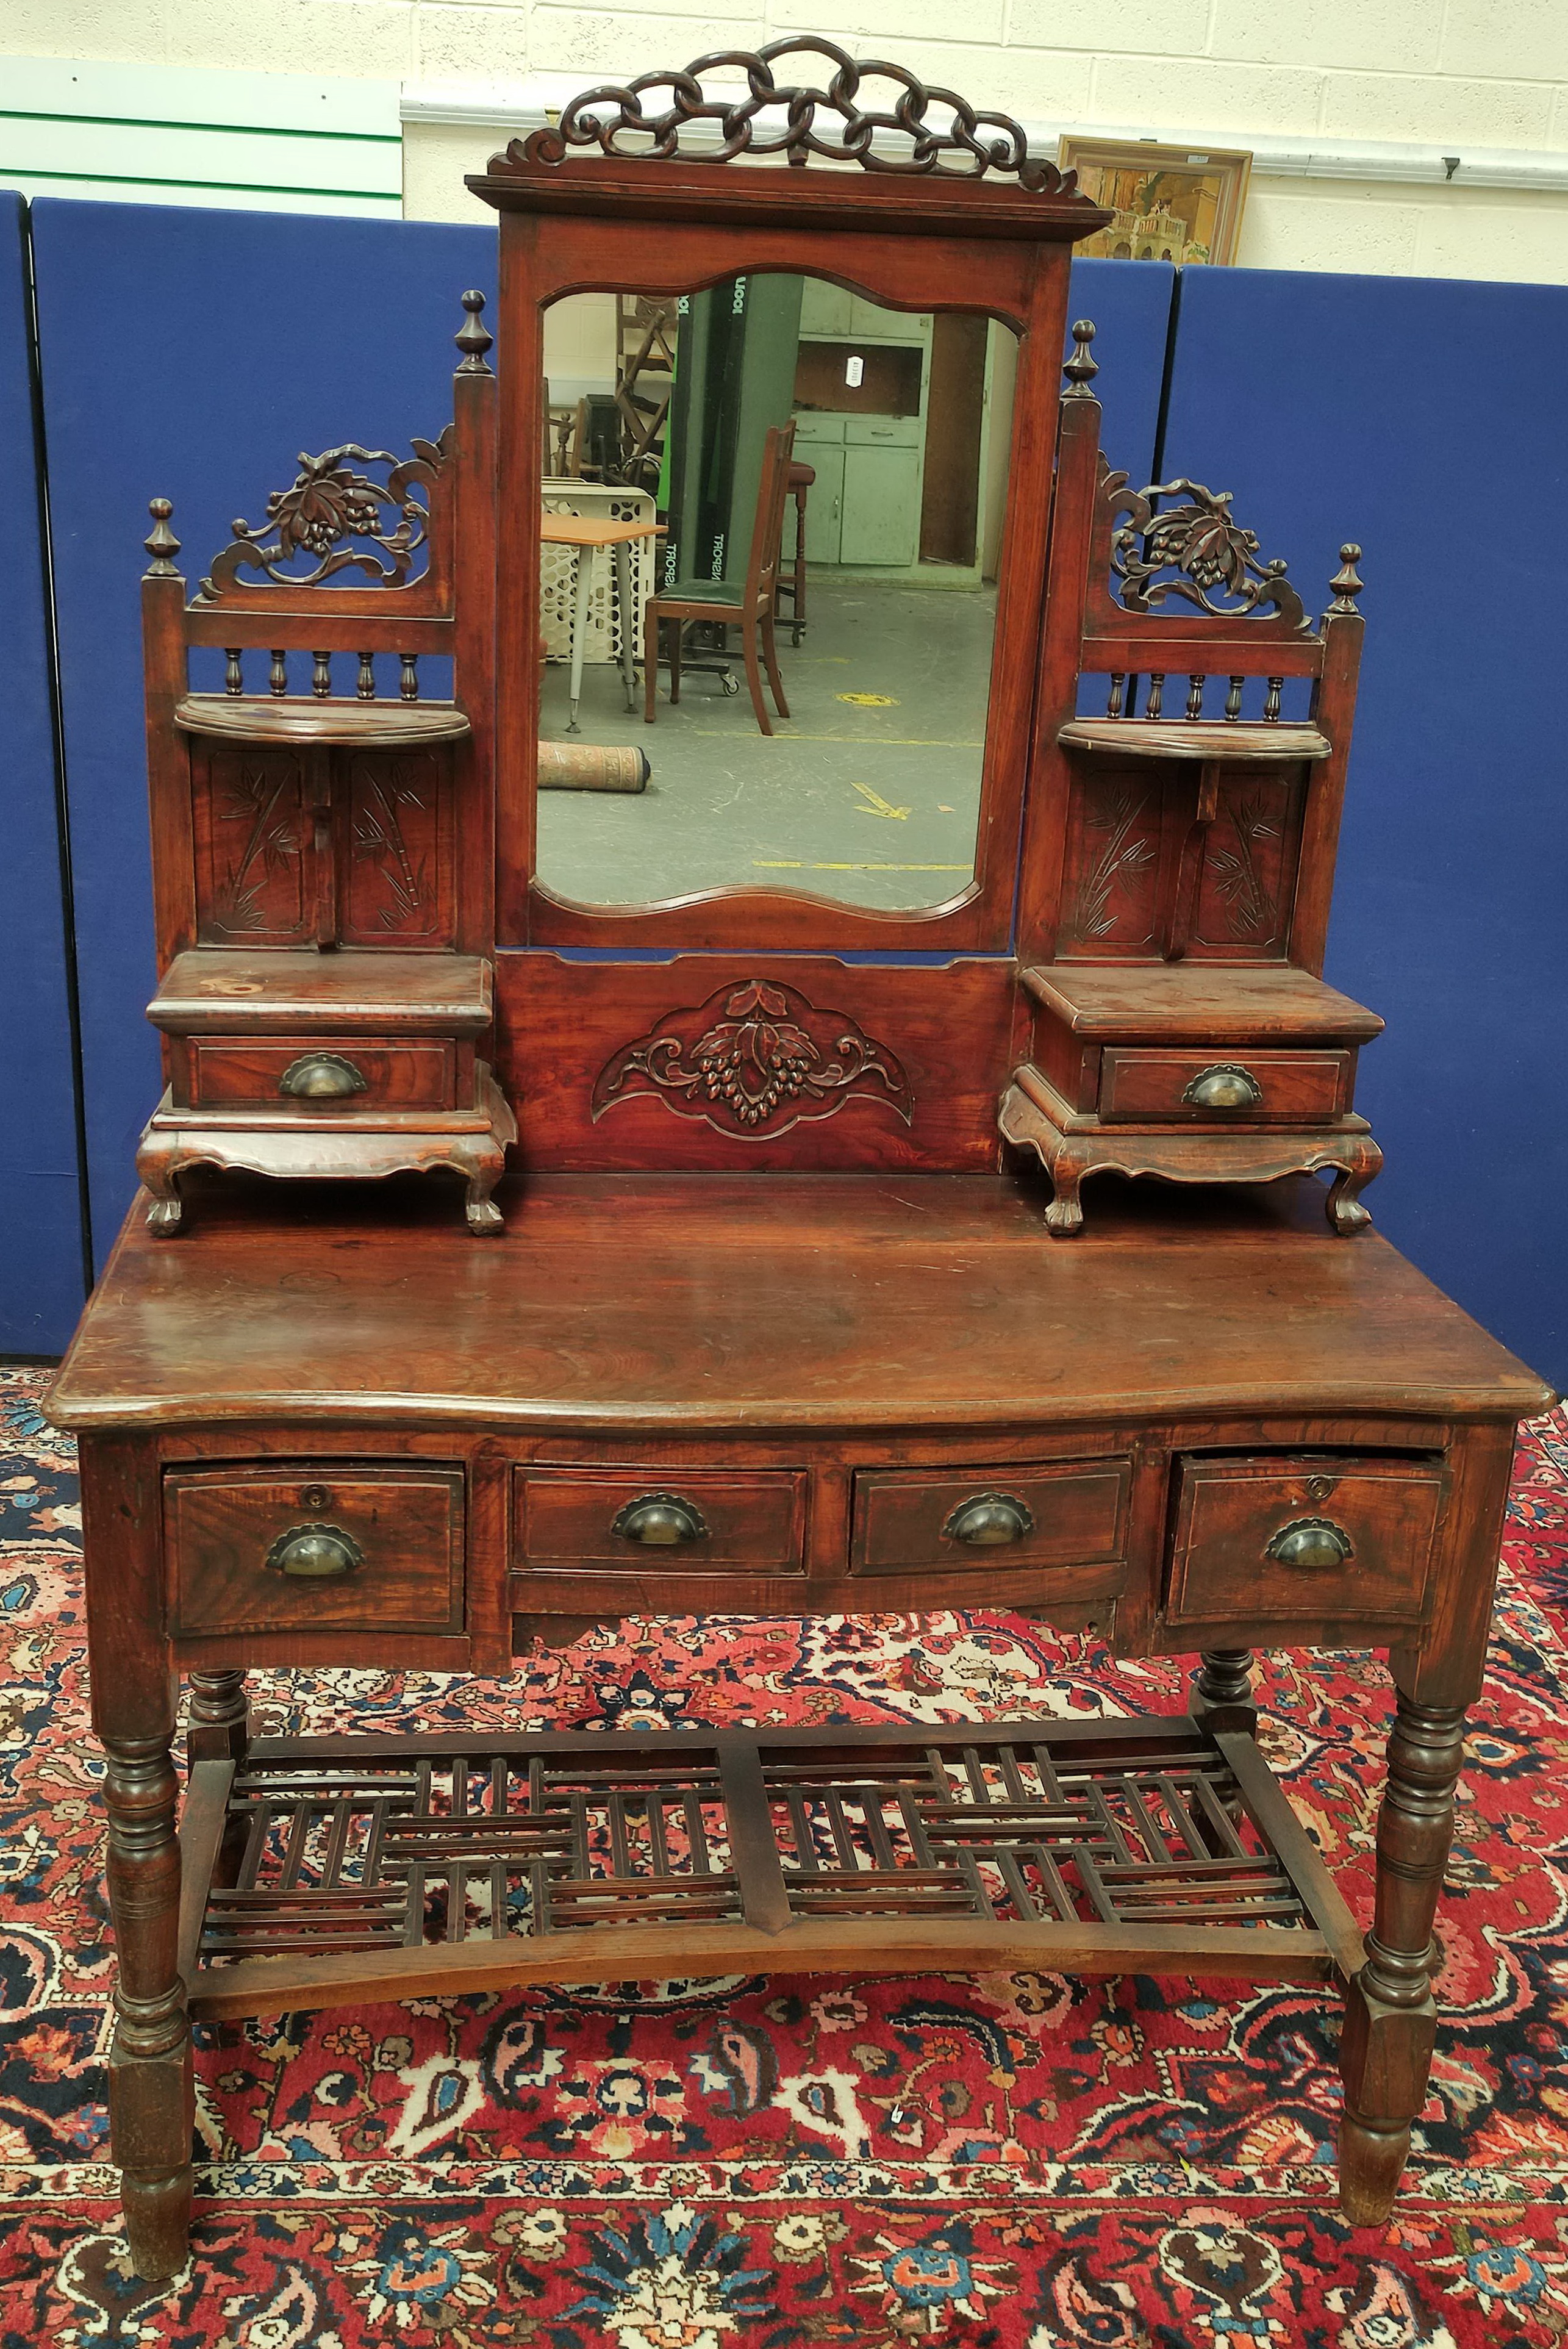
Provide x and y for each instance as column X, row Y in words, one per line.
column 328, row 1860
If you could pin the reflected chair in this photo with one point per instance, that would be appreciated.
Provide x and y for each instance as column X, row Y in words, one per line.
column 750, row 608
column 792, row 583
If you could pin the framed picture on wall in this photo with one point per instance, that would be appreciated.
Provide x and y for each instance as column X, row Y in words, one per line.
column 1169, row 204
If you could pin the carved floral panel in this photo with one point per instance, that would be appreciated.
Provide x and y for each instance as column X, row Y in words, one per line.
column 255, row 859
column 755, row 1057
column 396, row 846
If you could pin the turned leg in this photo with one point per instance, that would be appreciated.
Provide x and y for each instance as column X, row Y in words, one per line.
column 1390, row 2016
column 1223, row 1690
column 151, row 2097
column 220, row 1716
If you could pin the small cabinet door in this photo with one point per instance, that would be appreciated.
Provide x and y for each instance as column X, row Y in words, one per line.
column 881, row 505
column 824, row 505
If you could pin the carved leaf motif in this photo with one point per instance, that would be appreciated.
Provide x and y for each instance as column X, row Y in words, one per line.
column 1213, row 560
column 380, row 840
column 330, row 503
column 755, row 1059
column 1125, row 852
column 251, row 797
column 1238, row 880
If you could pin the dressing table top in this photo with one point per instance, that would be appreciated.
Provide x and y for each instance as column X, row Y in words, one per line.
column 813, row 1302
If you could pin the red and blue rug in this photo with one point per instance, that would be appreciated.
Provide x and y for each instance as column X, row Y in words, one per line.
column 1009, row 2162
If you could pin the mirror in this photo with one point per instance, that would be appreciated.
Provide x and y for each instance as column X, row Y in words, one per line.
column 799, row 495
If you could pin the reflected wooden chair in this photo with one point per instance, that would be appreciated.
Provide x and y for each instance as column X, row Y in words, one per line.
column 792, row 583
column 750, row 608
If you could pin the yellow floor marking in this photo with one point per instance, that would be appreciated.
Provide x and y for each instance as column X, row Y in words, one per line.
column 869, row 700
column 798, row 864
column 876, row 804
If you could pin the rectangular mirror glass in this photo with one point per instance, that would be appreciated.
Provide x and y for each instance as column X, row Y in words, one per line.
column 797, row 495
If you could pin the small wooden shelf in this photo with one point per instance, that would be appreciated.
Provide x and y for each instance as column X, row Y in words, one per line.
column 1191, row 737
column 368, row 1864
column 371, row 725
column 1197, row 1003
column 215, row 990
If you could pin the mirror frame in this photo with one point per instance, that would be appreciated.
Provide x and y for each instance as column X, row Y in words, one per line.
column 913, row 239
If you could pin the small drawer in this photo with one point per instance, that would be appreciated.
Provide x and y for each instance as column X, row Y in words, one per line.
column 316, row 1073
column 655, row 1521
column 991, row 1521
column 1334, row 1535
column 1225, row 1086
column 314, row 1547
column 881, row 431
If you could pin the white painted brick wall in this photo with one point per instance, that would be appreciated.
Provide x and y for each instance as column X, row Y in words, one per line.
column 1478, row 73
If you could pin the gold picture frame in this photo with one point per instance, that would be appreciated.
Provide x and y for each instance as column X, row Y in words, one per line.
column 1170, row 203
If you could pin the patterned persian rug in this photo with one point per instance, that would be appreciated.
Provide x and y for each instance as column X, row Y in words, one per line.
column 1011, row 2162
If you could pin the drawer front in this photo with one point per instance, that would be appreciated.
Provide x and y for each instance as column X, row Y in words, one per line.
column 883, row 431
column 1336, row 1536
column 993, row 1521
column 636, row 1522
column 1242, row 1088
column 314, row 1547
column 321, row 1072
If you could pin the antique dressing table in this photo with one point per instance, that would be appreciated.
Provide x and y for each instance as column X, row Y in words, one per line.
column 791, row 1305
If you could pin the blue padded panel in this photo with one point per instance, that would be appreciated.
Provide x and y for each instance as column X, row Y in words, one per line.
column 189, row 355
column 1425, row 420
column 1129, row 303
column 41, row 1281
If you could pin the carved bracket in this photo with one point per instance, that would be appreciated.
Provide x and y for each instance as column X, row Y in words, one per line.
column 328, row 503
column 755, row 1060
column 1211, row 562
column 985, row 141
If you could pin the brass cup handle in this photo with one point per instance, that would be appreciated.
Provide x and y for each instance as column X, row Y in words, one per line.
column 1225, row 1086
column 315, row 1553
column 989, row 1520
column 321, row 1076
column 1315, row 1544
column 660, row 1520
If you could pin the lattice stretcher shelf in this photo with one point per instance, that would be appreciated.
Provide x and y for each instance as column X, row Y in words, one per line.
column 322, row 1870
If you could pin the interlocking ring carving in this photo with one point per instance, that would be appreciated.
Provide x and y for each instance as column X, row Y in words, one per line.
column 658, row 135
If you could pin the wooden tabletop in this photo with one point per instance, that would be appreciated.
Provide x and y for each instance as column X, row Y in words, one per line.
column 655, row 1302
column 587, row 530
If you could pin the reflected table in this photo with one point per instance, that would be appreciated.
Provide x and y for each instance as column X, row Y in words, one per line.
column 583, row 534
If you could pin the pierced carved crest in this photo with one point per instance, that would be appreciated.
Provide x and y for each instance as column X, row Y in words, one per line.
column 816, row 120
column 329, row 504
column 1196, row 552
column 755, row 1059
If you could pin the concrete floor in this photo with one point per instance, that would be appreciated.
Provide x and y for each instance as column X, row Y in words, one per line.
column 870, row 803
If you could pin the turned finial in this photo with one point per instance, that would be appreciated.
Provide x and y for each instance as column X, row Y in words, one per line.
column 160, row 542
column 473, row 338
column 1080, row 371
column 1346, row 582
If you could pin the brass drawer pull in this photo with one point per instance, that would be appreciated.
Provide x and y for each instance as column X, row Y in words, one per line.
column 661, row 1520
column 1315, row 1544
column 989, row 1520
column 1225, row 1086
column 315, row 1553
column 322, row 1076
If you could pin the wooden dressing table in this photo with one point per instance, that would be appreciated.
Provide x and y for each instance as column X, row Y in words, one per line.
column 772, row 1320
